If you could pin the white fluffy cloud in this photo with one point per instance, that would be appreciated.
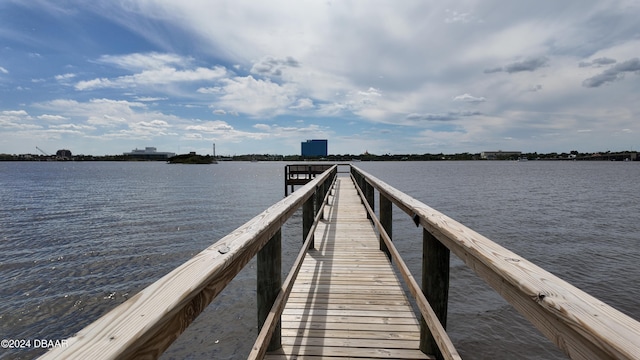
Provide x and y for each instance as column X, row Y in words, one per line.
column 160, row 76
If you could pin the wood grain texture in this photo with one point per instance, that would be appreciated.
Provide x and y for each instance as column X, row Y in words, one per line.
column 146, row 324
column 346, row 301
column 579, row 324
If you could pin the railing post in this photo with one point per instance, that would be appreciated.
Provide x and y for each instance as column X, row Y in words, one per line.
column 369, row 194
column 435, row 286
column 286, row 180
column 269, row 265
column 308, row 214
column 386, row 219
column 319, row 198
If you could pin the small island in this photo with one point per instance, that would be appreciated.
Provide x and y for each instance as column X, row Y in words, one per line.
column 192, row 158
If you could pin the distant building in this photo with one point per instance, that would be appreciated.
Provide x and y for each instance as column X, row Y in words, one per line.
column 149, row 153
column 496, row 155
column 63, row 154
column 314, row 148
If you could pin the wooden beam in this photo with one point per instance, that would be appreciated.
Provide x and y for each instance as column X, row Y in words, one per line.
column 269, row 279
column 307, row 217
column 386, row 220
column 435, row 286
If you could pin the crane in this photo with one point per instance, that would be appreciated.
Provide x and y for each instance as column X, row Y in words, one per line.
column 42, row 151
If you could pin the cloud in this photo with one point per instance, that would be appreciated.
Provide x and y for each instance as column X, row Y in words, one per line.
column 65, row 77
column 3, row 70
column 48, row 117
column 614, row 73
column 469, row 98
column 256, row 97
column 16, row 113
column 263, row 127
column 160, row 76
column 72, row 126
column 221, row 130
column 597, row 62
column 211, row 127
column 302, row 104
column 493, row 70
column 530, row 64
column 151, row 69
column 534, row 88
column 448, row 116
column 270, row 66
column 211, row 90
column 100, row 112
column 145, row 61
column 370, row 92
column 219, row 112
column 149, row 98
column 456, row 17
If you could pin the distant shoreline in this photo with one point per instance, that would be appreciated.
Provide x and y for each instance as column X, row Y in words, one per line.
column 573, row 156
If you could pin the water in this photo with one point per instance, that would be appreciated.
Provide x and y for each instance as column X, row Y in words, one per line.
column 77, row 239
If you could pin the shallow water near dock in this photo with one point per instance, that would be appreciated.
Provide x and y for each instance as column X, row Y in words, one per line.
column 79, row 238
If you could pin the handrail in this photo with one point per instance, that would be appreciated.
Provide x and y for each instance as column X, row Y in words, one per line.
column 578, row 323
column 260, row 346
column 146, row 324
column 442, row 339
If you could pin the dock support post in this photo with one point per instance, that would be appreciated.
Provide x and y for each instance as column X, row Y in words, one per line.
column 386, row 219
column 319, row 199
column 308, row 214
column 269, row 266
column 369, row 194
column 435, row 286
column 286, row 180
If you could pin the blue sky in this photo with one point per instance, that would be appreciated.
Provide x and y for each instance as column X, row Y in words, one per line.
column 105, row 77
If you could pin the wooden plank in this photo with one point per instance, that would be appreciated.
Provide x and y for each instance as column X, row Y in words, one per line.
column 269, row 278
column 347, row 301
column 350, row 334
column 301, row 352
column 351, row 342
column 332, row 326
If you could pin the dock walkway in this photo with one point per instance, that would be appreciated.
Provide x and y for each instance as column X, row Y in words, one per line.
column 347, row 301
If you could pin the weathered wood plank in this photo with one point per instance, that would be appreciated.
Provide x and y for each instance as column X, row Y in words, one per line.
column 351, row 342
column 332, row 326
column 301, row 352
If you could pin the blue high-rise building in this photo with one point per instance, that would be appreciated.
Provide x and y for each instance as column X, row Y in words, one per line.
column 314, row 148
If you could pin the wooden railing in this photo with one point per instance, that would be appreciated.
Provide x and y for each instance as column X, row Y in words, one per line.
column 145, row 325
column 300, row 174
column 579, row 324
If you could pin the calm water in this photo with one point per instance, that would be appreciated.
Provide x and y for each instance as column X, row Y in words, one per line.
column 77, row 239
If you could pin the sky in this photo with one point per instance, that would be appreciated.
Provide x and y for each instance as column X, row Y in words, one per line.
column 253, row 77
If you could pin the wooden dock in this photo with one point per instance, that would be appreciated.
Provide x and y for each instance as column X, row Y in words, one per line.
column 342, row 297
column 347, row 301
